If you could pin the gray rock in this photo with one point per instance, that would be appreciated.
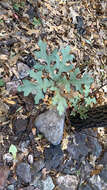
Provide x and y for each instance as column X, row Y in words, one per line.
column 85, row 187
column 38, row 165
column 10, row 187
column 68, row 182
column 53, row 156
column 5, row 5
column 36, row 182
column 83, row 144
column 48, row 184
column 12, row 86
column 103, row 175
column 29, row 188
column 95, row 182
column 23, row 172
column 104, row 159
column 22, row 70
column 51, row 125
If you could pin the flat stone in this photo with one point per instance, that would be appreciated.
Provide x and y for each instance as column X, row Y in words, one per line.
column 12, row 86
column 103, row 160
column 48, row 184
column 22, row 70
column 38, row 165
column 51, row 125
column 103, row 175
column 19, row 126
column 40, row 184
column 23, row 172
column 10, row 187
column 68, row 182
column 53, row 156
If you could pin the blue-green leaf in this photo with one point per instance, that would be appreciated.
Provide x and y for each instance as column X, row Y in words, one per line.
column 13, row 150
column 27, row 87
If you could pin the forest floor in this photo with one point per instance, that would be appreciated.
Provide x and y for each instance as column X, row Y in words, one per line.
column 80, row 161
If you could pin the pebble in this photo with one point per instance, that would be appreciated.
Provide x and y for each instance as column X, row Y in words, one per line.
column 53, row 156
column 23, row 172
column 51, row 125
column 68, row 182
column 10, row 187
column 12, row 86
column 19, row 126
column 22, row 70
column 48, row 184
column 38, row 165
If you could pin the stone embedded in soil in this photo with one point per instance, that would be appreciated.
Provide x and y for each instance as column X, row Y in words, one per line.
column 10, row 187
column 53, row 156
column 22, row 70
column 23, row 172
column 51, row 125
column 38, row 165
column 104, row 159
column 46, row 184
column 8, row 159
column 20, row 126
column 95, row 182
column 85, row 187
column 68, row 182
column 29, row 60
column 77, row 151
column 29, row 188
column 83, row 144
column 103, row 175
column 12, row 86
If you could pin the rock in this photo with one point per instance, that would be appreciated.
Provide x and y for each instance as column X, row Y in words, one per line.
column 20, row 126
column 51, row 125
column 68, row 182
column 10, row 187
column 103, row 175
column 36, row 182
column 30, row 159
column 77, row 152
column 22, row 70
column 12, row 86
column 29, row 60
column 28, row 188
column 23, row 172
column 84, row 144
column 85, row 187
column 95, row 182
column 80, row 25
column 104, row 159
column 66, row 168
column 23, row 146
column 94, row 146
column 85, row 170
column 8, row 158
column 31, row 12
column 38, row 165
column 48, row 184
column 53, row 156
column 5, row 5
